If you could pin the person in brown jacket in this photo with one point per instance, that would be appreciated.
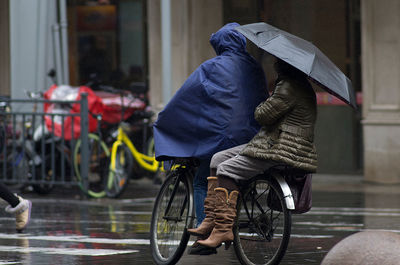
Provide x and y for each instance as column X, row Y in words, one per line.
column 286, row 137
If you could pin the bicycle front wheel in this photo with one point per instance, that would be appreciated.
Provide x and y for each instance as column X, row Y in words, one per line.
column 173, row 213
column 263, row 226
column 98, row 166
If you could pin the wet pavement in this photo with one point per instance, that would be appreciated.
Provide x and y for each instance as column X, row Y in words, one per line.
column 67, row 228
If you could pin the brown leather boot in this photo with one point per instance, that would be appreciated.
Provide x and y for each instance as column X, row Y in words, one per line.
column 207, row 225
column 225, row 214
column 197, row 249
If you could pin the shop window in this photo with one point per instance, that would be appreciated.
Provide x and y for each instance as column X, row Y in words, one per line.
column 107, row 42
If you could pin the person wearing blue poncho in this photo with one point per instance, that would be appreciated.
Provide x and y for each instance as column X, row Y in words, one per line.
column 214, row 108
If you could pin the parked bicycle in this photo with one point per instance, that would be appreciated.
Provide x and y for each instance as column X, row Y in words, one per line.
column 18, row 155
column 40, row 141
column 58, row 150
column 261, row 231
column 126, row 160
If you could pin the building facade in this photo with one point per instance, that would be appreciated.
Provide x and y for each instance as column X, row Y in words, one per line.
column 381, row 90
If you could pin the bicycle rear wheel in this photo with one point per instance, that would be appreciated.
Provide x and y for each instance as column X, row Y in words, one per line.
column 120, row 171
column 98, row 166
column 263, row 226
column 173, row 213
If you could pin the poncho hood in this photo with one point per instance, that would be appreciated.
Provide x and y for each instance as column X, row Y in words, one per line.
column 228, row 39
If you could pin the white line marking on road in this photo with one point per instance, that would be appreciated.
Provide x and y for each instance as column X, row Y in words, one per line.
column 310, row 236
column 61, row 221
column 139, row 200
column 326, row 224
column 6, row 262
column 77, row 238
column 126, row 212
column 356, row 213
column 292, row 235
column 66, row 251
column 356, row 209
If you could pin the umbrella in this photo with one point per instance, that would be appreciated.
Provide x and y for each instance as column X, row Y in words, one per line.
column 304, row 56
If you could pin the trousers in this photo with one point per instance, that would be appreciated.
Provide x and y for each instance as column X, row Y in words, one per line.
column 230, row 163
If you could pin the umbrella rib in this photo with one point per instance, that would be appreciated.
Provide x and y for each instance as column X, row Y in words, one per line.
column 265, row 43
column 312, row 65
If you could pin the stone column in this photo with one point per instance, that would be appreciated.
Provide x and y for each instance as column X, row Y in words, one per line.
column 192, row 24
column 381, row 89
column 4, row 48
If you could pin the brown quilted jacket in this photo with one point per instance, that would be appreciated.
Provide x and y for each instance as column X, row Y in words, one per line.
column 287, row 119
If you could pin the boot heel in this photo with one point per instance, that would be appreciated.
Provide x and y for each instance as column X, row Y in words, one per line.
column 227, row 244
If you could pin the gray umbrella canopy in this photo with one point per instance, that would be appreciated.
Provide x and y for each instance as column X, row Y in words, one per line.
column 303, row 55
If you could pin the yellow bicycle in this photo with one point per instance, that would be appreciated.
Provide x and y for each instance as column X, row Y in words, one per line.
column 125, row 159
column 122, row 153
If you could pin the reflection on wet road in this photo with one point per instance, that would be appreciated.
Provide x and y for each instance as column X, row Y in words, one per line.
column 67, row 230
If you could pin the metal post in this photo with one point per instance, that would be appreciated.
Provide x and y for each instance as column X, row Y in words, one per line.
column 42, row 31
column 166, row 49
column 84, row 140
column 64, row 40
column 57, row 54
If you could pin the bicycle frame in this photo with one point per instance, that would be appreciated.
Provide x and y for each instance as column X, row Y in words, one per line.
column 147, row 162
column 176, row 219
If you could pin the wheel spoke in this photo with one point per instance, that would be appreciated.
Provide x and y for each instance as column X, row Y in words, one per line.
column 98, row 164
column 262, row 234
column 120, row 174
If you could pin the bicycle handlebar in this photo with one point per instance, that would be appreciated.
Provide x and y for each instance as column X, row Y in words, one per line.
column 186, row 161
column 110, row 89
column 34, row 94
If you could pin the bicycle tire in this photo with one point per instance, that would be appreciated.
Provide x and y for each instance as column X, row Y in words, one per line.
column 43, row 188
column 98, row 166
column 261, row 234
column 118, row 177
column 45, row 170
column 168, row 233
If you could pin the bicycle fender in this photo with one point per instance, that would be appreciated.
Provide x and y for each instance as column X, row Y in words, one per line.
column 287, row 193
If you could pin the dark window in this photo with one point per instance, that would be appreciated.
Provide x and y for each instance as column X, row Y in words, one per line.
column 107, row 41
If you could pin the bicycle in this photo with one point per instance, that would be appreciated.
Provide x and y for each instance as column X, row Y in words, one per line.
column 68, row 155
column 51, row 149
column 261, row 230
column 125, row 158
column 17, row 147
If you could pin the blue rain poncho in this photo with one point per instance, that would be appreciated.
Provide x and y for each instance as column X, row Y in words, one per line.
column 214, row 108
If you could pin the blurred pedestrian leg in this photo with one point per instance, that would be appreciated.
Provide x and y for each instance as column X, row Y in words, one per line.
column 18, row 206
